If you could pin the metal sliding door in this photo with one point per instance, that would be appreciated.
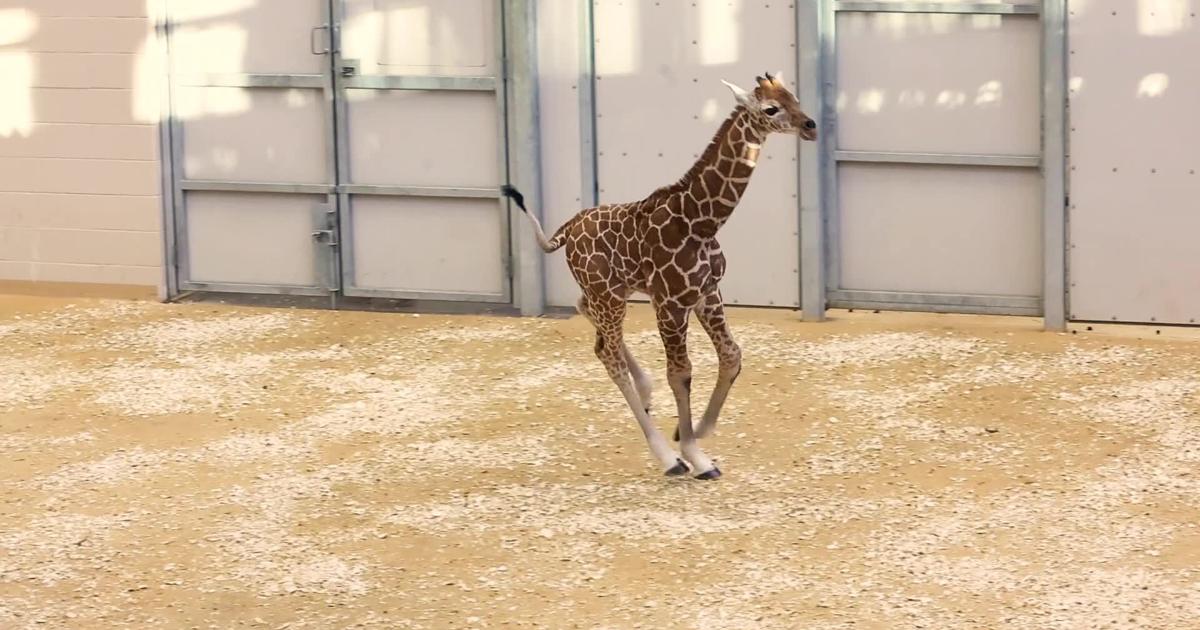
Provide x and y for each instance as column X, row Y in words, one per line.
column 354, row 147
column 932, row 173
column 421, row 149
column 253, row 164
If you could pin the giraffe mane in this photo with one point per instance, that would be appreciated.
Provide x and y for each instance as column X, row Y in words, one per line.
column 706, row 158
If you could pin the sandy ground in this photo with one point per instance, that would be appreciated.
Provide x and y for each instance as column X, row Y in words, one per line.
column 205, row 466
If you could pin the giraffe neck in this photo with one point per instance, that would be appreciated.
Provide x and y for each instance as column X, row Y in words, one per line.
column 720, row 176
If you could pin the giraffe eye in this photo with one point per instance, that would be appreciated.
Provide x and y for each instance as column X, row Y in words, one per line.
column 771, row 111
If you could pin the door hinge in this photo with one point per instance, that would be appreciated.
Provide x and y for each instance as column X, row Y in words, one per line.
column 349, row 67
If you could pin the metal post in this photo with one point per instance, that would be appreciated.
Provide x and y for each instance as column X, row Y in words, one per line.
column 590, row 190
column 1054, row 81
column 524, row 151
column 809, row 17
column 169, row 287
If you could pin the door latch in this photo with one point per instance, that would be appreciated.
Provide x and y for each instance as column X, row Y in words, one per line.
column 324, row 236
column 327, row 224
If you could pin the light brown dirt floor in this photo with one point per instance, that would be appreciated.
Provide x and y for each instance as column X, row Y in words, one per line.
column 206, row 466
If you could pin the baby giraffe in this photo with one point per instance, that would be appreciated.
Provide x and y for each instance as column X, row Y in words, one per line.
column 665, row 246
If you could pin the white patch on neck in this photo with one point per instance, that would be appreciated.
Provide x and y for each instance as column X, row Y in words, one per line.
column 750, row 163
column 753, row 145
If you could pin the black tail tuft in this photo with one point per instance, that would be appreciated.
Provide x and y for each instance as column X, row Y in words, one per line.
column 515, row 195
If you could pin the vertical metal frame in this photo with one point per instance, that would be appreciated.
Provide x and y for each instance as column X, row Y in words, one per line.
column 500, row 16
column 524, row 149
column 830, row 204
column 813, row 35
column 589, row 180
column 1055, row 294
column 341, row 147
column 1052, row 159
column 329, row 266
column 167, row 178
column 183, row 264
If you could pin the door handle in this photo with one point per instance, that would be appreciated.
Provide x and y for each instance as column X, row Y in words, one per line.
column 324, row 42
column 324, row 236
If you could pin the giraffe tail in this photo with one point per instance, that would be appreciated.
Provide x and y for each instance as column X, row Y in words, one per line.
column 547, row 244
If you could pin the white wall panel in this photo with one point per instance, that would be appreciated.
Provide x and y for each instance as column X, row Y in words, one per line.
column 1012, row 2
column 1134, row 157
column 421, row 37
column 80, row 200
column 251, row 238
column 927, row 82
column 239, row 37
column 427, row 244
column 660, row 100
column 937, row 229
column 559, row 86
column 258, row 135
column 420, row 138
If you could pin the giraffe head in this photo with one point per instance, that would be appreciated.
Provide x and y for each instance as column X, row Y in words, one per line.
column 773, row 108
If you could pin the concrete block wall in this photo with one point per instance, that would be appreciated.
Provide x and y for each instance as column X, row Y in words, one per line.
column 80, row 198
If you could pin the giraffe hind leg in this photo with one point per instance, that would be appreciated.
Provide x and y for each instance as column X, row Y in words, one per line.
column 641, row 380
column 610, row 349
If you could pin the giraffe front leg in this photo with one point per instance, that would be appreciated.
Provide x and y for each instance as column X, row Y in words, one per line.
column 672, row 326
column 711, row 313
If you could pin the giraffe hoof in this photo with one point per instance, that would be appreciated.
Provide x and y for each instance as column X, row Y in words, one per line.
column 680, row 468
column 711, row 475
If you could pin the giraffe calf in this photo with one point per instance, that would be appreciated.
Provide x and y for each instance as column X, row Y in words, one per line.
column 665, row 246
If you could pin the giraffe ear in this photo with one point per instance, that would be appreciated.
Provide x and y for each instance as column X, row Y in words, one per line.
column 776, row 78
column 743, row 97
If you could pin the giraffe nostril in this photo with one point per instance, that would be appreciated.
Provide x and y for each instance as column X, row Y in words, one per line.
column 810, row 124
